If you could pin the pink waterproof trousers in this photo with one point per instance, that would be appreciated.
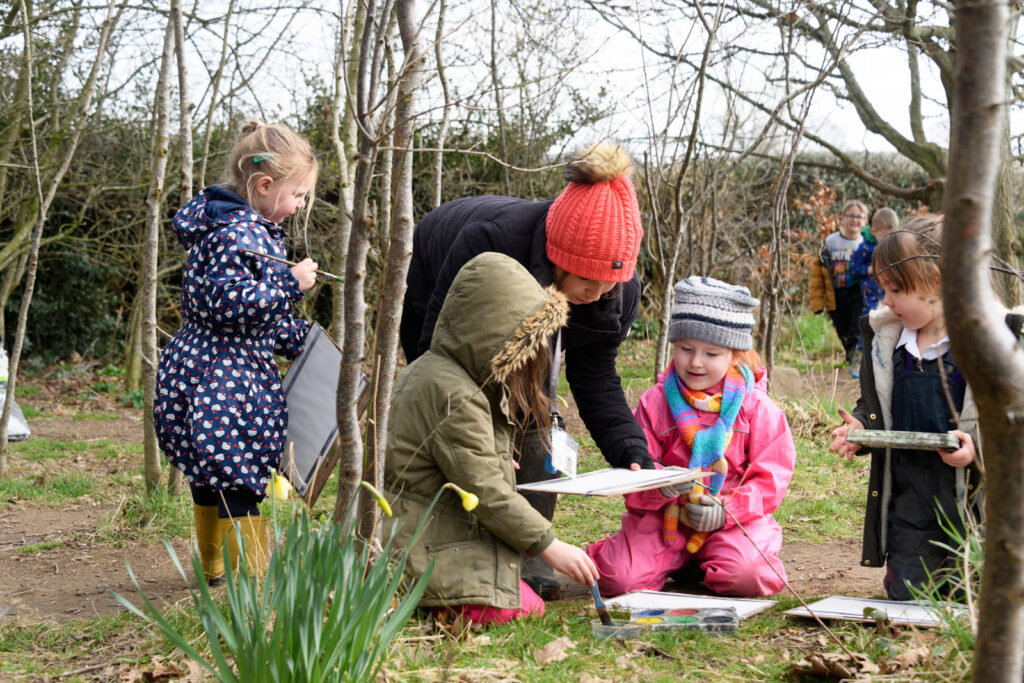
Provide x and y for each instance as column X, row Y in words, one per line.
column 637, row 558
column 485, row 614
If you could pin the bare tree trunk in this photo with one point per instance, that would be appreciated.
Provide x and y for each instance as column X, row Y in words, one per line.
column 498, row 104
column 350, row 466
column 343, row 136
column 185, row 189
column 215, row 93
column 83, row 105
column 985, row 350
column 399, row 253
column 151, row 230
column 446, row 114
column 184, row 106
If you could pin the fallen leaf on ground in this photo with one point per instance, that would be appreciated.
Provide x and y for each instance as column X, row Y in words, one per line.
column 907, row 660
column 165, row 672
column 555, row 651
column 837, row 664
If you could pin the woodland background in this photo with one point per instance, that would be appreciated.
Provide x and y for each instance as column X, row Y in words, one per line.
column 113, row 114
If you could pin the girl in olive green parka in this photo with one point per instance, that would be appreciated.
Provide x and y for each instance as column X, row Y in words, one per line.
column 453, row 416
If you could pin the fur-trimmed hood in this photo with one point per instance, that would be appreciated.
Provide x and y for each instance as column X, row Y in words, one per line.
column 495, row 317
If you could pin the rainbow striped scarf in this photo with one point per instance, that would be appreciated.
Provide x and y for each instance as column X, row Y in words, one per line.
column 708, row 445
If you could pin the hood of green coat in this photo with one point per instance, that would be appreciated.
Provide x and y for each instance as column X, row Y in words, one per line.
column 496, row 316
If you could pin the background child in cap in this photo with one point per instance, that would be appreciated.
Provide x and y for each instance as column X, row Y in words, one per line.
column 709, row 404
column 585, row 243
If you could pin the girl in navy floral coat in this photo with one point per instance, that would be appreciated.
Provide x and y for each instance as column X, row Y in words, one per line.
column 219, row 410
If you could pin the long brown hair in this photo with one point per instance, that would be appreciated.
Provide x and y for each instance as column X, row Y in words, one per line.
column 529, row 403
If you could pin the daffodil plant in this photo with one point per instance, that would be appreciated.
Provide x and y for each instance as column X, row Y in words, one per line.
column 328, row 608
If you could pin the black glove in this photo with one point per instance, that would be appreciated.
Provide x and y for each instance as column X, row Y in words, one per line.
column 640, row 456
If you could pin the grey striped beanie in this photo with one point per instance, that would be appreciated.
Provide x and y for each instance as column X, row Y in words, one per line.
column 713, row 311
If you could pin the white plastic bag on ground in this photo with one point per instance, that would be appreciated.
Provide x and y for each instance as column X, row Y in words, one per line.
column 17, row 429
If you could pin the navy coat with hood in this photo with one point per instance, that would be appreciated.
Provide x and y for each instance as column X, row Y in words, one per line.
column 452, row 234
column 219, row 411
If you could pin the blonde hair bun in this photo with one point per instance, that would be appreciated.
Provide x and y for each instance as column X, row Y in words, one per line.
column 599, row 163
column 251, row 126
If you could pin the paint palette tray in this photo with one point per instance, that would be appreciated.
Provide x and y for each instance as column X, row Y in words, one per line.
column 709, row 620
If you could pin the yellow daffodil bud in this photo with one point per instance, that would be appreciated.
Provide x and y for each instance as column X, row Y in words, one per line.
column 279, row 487
column 469, row 500
column 381, row 500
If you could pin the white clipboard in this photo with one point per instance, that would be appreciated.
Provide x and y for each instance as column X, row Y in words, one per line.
column 613, row 482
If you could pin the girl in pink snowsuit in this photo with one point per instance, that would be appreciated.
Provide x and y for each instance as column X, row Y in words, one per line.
column 709, row 410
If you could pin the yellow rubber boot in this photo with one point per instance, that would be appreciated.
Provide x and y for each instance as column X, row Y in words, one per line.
column 254, row 533
column 209, row 541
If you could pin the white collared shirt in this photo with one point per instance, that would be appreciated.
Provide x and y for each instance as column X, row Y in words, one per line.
column 908, row 338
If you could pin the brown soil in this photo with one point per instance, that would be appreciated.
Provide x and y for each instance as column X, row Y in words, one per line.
column 74, row 580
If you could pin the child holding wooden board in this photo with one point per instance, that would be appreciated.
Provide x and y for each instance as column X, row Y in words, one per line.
column 709, row 409
column 905, row 375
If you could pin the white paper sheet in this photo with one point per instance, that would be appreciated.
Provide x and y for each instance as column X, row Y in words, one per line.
column 639, row 601
column 852, row 609
column 613, row 482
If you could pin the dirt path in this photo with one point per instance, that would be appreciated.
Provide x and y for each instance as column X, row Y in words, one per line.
column 74, row 579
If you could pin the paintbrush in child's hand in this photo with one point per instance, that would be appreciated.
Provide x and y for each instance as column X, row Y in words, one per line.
column 291, row 263
column 602, row 611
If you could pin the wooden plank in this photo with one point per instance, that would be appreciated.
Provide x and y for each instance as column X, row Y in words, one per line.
column 918, row 441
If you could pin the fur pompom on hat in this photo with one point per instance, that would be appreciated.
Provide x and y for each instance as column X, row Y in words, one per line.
column 713, row 311
column 593, row 228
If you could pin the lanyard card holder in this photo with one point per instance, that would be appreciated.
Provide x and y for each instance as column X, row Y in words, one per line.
column 563, row 449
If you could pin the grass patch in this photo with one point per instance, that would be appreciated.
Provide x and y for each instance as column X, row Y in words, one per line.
column 50, row 489
column 42, row 546
column 95, row 415
column 825, row 500
column 25, row 390
column 149, row 516
column 40, row 449
column 47, row 649
column 29, row 412
column 809, row 341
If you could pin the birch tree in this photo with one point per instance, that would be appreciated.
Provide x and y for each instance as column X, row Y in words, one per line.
column 148, row 268
column 369, row 100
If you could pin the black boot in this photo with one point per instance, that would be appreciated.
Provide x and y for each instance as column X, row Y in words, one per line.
column 539, row 576
column 533, row 449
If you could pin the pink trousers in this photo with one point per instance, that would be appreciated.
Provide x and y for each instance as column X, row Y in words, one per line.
column 531, row 603
column 637, row 558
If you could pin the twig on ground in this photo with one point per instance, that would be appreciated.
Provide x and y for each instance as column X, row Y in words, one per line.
column 792, row 590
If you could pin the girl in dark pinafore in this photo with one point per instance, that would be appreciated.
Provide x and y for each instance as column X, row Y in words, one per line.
column 902, row 389
column 219, row 409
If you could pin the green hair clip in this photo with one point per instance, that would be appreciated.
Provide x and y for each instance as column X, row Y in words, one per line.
column 261, row 157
